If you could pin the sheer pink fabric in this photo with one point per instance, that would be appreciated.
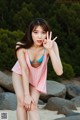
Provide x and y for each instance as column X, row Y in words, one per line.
column 37, row 76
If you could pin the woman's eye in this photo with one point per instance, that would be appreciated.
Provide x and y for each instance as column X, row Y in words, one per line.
column 44, row 32
column 38, row 32
column 35, row 32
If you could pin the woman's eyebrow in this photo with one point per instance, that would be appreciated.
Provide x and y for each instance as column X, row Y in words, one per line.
column 35, row 30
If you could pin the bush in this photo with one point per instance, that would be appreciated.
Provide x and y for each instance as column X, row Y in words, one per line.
column 51, row 73
column 8, row 40
column 68, row 71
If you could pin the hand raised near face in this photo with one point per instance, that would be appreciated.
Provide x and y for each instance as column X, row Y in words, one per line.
column 48, row 42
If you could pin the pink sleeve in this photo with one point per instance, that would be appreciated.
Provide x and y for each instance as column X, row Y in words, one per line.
column 16, row 68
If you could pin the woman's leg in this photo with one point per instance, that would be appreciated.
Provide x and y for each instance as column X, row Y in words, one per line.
column 34, row 114
column 18, row 87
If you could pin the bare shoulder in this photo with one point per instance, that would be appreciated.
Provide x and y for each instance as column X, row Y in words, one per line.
column 21, row 57
column 21, row 51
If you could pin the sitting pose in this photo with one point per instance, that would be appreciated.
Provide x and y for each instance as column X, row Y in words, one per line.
column 30, row 71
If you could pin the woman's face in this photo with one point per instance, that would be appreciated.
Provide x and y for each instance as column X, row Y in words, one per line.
column 38, row 35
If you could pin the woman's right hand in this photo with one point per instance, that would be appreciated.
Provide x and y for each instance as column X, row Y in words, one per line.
column 28, row 101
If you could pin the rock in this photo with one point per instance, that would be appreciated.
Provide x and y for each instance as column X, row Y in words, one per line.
column 76, row 101
column 7, row 101
column 77, row 117
column 54, row 89
column 40, row 102
column 72, row 90
column 1, row 90
column 56, row 104
column 6, row 82
column 68, row 112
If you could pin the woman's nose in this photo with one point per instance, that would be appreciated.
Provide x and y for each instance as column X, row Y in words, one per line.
column 40, row 36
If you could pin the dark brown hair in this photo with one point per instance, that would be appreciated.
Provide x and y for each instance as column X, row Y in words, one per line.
column 27, row 41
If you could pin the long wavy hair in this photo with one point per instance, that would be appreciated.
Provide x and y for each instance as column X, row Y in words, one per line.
column 27, row 40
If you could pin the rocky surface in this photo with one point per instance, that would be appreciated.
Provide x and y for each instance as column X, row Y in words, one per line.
column 56, row 104
column 6, row 82
column 54, row 89
column 76, row 101
column 1, row 90
column 72, row 90
column 55, row 100
column 7, row 101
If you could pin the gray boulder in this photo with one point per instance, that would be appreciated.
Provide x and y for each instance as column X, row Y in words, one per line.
column 54, row 89
column 56, row 104
column 7, row 101
column 40, row 102
column 67, row 112
column 6, row 82
column 76, row 101
column 1, row 90
column 72, row 90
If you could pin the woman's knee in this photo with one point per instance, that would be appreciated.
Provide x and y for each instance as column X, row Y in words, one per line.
column 20, row 101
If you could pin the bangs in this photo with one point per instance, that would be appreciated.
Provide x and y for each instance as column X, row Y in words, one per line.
column 43, row 26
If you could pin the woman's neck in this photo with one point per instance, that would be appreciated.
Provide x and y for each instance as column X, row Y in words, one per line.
column 37, row 46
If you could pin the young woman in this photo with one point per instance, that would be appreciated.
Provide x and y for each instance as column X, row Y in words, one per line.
column 30, row 71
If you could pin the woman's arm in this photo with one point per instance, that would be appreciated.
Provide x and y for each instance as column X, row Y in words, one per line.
column 55, row 59
column 21, row 58
column 53, row 52
column 25, row 74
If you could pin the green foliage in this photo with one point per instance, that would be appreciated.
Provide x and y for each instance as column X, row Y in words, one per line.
column 7, row 46
column 21, row 18
column 51, row 73
column 68, row 71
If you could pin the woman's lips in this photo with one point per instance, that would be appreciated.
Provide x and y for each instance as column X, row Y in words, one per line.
column 39, row 41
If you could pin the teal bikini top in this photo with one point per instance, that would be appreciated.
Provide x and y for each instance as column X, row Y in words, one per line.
column 40, row 60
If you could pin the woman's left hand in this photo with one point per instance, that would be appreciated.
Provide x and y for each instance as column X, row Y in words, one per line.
column 48, row 43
